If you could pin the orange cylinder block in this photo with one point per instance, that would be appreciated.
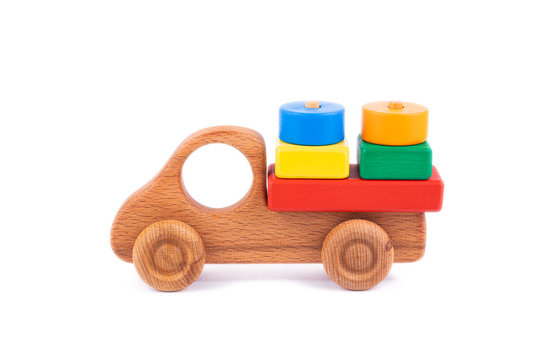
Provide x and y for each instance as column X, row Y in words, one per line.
column 394, row 123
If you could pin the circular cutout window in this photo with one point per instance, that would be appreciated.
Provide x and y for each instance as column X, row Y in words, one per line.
column 217, row 175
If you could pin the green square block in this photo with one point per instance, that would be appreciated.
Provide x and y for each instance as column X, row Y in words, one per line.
column 382, row 162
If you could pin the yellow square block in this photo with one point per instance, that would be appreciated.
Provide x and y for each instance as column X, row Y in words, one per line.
column 312, row 162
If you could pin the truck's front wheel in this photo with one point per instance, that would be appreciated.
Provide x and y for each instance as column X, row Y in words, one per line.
column 169, row 255
column 357, row 254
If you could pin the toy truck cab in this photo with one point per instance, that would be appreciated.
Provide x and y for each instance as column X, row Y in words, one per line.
column 169, row 236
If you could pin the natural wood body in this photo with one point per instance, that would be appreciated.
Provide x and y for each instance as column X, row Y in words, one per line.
column 248, row 232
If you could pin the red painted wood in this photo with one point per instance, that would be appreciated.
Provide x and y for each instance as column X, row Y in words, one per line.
column 355, row 194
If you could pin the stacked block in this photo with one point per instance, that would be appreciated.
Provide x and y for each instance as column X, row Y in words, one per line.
column 392, row 145
column 354, row 194
column 394, row 171
column 311, row 142
column 312, row 162
column 411, row 162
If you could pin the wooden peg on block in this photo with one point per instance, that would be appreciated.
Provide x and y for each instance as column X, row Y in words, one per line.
column 312, row 104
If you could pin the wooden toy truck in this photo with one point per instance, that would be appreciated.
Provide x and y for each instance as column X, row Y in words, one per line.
column 169, row 236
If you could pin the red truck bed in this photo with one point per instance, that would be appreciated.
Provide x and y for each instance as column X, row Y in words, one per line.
column 355, row 194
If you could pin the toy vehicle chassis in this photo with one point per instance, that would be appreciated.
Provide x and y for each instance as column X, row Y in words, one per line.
column 169, row 236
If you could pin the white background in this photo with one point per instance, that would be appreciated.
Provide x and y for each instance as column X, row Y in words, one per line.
column 96, row 95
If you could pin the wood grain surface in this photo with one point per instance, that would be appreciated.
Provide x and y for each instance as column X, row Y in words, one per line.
column 169, row 255
column 247, row 232
column 357, row 254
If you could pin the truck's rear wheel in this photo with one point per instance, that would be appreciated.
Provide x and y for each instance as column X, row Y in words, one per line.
column 357, row 254
column 169, row 255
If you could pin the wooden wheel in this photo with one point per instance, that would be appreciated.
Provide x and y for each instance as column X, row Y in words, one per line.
column 357, row 254
column 169, row 255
